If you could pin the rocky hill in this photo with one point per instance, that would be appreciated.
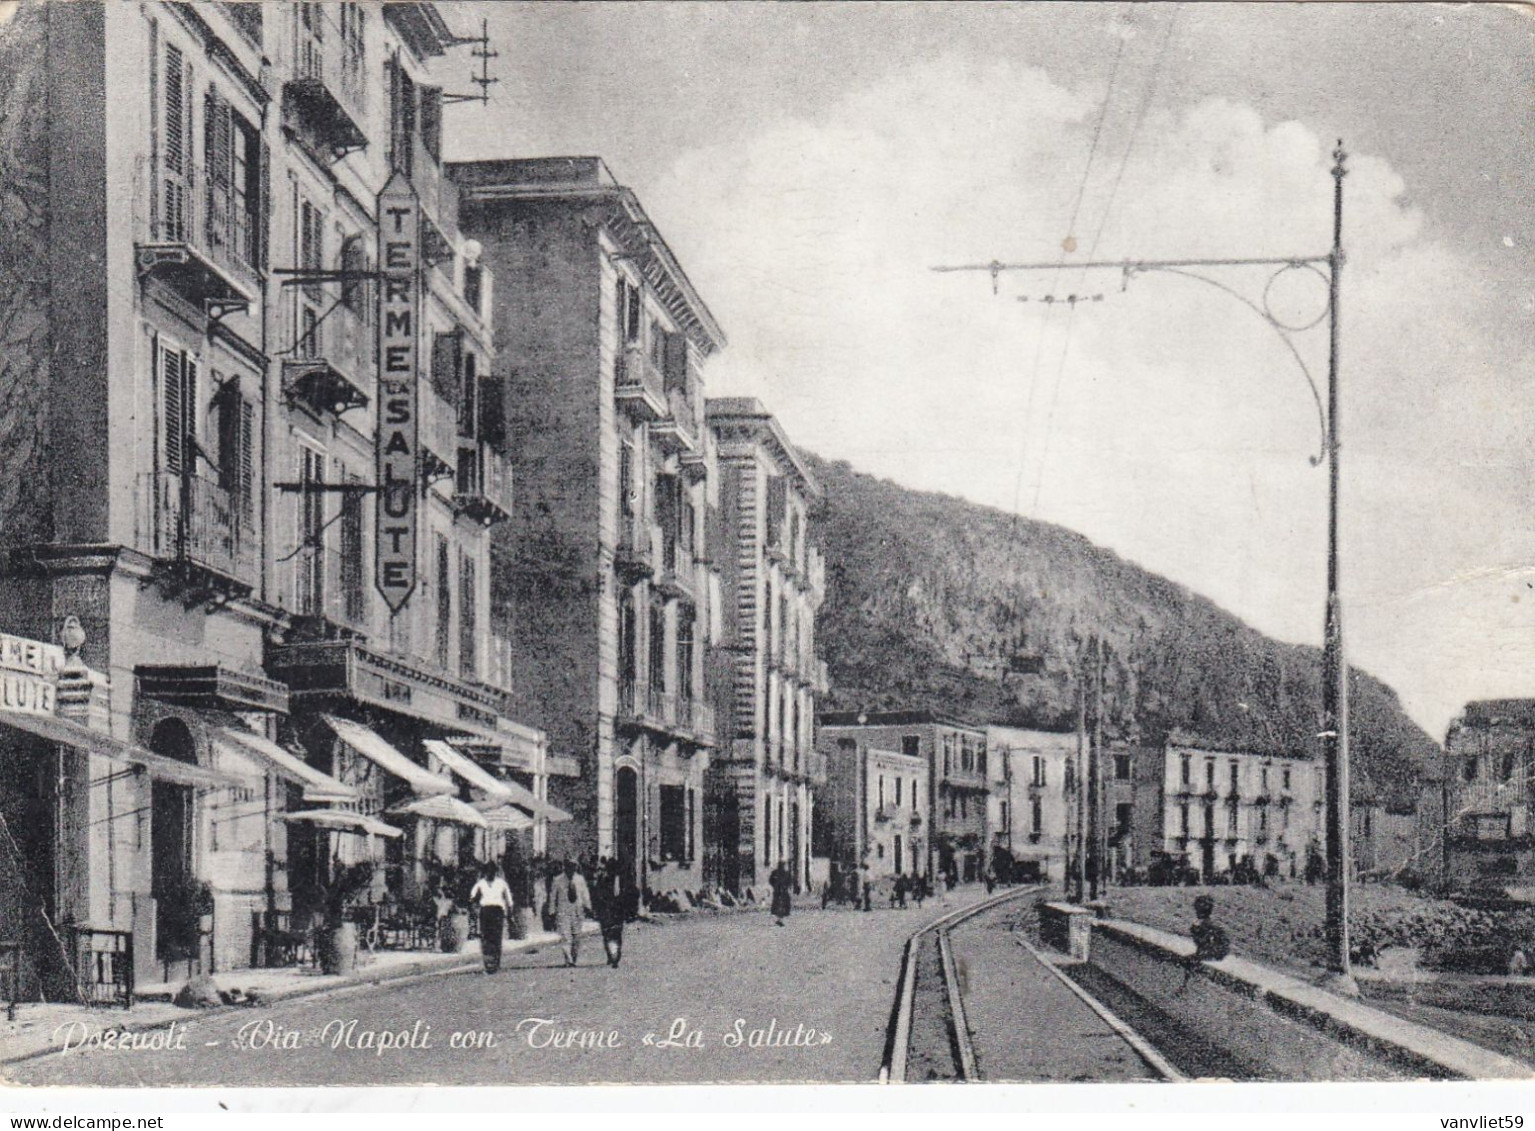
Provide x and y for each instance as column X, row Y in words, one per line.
column 934, row 602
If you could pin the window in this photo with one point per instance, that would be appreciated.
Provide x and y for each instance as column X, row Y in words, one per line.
column 1039, row 771
column 900, row 855
column 353, row 52
column 657, row 345
column 1210, row 773
column 881, row 791
column 911, row 745
column 1231, row 818
column 1122, row 815
column 448, row 365
column 1508, row 767
column 964, row 805
column 1183, row 819
column 684, row 653
column 354, row 593
column 1036, row 816
column 1285, row 777
column 674, row 823
column 628, row 660
column 628, row 497
column 1184, row 770
column 233, row 222
column 236, row 426
column 1209, row 818
column 311, row 247
column 1235, row 774
column 1122, row 767
column 1263, row 822
column 311, row 561
column 1263, row 777
column 1002, row 815
column 899, row 782
column 444, row 602
column 474, row 289
column 1469, row 770
column 657, row 649
column 468, row 629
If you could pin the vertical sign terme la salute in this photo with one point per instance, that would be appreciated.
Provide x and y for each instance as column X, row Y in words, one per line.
column 397, row 455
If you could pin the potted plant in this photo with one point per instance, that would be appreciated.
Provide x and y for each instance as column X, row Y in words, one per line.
column 337, row 940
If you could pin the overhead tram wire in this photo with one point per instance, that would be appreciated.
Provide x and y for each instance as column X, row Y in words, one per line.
column 1140, row 116
column 1039, row 342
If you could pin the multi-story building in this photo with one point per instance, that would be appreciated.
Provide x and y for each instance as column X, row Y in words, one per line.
column 958, row 786
column 873, row 816
column 1033, row 776
column 1485, row 790
column 759, row 806
column 605, row 576
column 214, row 470
column 1221, row 807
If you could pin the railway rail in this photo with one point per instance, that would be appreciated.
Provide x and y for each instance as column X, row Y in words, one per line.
column 930, row 1035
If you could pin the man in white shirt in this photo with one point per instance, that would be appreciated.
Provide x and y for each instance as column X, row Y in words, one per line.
column 495, row 900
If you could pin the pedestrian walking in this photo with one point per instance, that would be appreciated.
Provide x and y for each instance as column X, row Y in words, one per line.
column 571, row 900
column 868, row 889
column 780, row 882
column 899, row 894
column 608, row 905
column 494, row 898
column 919, row 890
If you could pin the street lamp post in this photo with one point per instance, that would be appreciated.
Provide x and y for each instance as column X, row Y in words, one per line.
column 1334, row 733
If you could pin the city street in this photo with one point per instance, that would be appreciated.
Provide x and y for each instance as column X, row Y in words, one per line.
column 719, row 998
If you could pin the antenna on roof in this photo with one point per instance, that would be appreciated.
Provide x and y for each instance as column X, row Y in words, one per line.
column 482, row 51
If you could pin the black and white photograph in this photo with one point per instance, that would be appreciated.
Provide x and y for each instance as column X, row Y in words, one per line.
column 765, row 543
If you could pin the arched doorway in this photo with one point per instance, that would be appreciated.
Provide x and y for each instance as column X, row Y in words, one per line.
column 626, row 823
column 170, row 840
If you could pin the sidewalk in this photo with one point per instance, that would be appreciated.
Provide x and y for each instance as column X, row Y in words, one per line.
column 33, row 1032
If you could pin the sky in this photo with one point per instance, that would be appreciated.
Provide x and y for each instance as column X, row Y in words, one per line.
column 810, row 163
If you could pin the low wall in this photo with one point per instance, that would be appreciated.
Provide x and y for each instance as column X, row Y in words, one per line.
column 1503, row 995
column 1278, row 1027
column 1067, row 927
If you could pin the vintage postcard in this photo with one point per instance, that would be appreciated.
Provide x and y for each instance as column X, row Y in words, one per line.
column 719, row 543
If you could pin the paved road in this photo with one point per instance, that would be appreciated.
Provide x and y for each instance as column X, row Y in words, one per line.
column 826, row 981
column 1025, row 1024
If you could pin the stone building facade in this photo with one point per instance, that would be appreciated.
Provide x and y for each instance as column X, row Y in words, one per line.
column 760, row 793
column 193, row 473
column 606, row 576
column 1487, row 840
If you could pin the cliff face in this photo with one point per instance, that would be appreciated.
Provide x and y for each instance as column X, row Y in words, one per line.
column 933, row 602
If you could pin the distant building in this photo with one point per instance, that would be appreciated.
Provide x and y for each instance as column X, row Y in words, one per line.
column 958, row 782
column 873, row 811
column 1220, row 807
column 758, row 809
column 1486, row 791
column 1032, row 805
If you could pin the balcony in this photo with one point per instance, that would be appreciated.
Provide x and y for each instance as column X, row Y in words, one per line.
column 324, row 99
column 640, row 388
column 439, row 433
column 199, row 246
column 701, row 721
column 333, row 362
column 203, row 539
column 882, row 815
column 638, row 544
column 663, row 709
column 633, row 702
column 677, row 577
column 693, row 465
column 677, row 431
column 483, row 485
column 330, row 595
column 439, row 196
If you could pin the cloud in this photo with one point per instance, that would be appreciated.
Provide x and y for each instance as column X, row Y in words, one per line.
column 1166, row 421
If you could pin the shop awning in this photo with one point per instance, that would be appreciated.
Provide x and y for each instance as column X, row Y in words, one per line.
column 507, row 818
column 318, row 786
column 523, row 798
column 387, row 758
column 82, row 737
column 470, row 770
column 448, row 809
column 343, row 820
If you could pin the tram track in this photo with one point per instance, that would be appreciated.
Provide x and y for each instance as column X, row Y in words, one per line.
column 933, row 1036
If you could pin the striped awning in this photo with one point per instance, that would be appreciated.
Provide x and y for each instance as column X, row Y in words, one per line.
column 469, row 770
column 70, row 733
column 343, row 820
column 507, row 818
column 374, row 748
column 317, row 785
column 447, row 809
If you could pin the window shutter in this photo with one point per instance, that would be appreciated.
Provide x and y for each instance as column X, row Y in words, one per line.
column 154, row 130
column 245, row 472
column 446, row 361
column 431, row 120
column 173, row 414
column 493, row 413
column 174, row 168
column 264, row 208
